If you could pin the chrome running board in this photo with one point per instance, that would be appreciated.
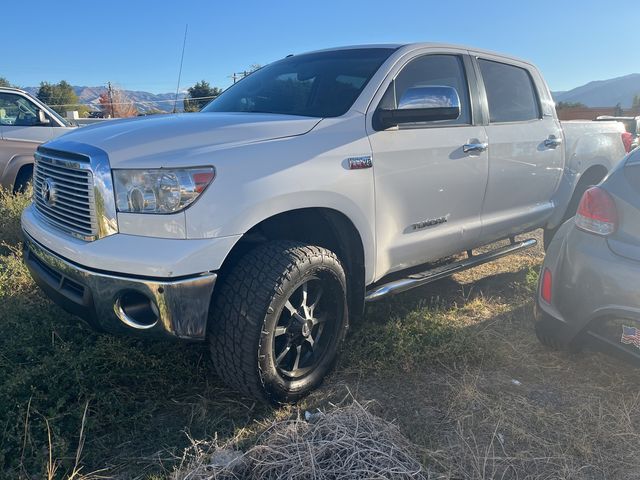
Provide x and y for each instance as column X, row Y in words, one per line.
column 437, row 273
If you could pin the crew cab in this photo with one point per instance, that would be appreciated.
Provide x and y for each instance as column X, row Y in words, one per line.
column 320, row 182
column 25, row 123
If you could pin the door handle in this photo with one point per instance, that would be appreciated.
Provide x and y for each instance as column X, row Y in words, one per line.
column 474, row 147
column 552, row 142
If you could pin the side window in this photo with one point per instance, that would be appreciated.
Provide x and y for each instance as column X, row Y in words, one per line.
column 432, row 70
column 15, row 110
column 510, row 92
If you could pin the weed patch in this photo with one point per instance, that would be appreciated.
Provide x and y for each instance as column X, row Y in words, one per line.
column 143, row 397
column 429, row 334
column 11, row 207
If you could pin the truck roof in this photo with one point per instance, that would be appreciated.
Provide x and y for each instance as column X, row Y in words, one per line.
column 419, row 45
column 14, row 89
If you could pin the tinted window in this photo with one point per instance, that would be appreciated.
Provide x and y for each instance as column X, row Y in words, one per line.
column 17, row 111
column 322, row 84
column 431, row 70
column 510, row 92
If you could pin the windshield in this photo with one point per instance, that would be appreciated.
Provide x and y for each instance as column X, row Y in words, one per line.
column 321, row 84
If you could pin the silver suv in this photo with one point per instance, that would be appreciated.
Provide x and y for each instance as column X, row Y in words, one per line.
column 25, row 123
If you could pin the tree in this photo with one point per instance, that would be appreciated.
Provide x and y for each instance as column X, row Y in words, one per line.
column 59, row 96
column 636, row 102
column 199, row 95
column 617, row 111
column 116, row 104
column 4, row 82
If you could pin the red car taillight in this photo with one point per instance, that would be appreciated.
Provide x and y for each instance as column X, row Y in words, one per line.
column 627, row 140
column 545, row 289
column 597, row 212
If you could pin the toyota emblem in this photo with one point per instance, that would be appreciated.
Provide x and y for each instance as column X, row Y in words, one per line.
column 49, row 192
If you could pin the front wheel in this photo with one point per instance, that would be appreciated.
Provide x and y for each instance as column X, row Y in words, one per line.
column 278, row 320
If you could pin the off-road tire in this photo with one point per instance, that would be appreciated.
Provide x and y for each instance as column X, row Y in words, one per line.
column 249, row 303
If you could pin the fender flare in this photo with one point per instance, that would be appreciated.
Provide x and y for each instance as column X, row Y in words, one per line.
column 12, row 168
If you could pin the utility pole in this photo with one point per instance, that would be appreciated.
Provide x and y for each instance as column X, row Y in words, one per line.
column 110, row 91
column 239, row 75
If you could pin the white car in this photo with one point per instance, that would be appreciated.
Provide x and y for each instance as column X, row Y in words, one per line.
column 25, row 123
column 319, row 182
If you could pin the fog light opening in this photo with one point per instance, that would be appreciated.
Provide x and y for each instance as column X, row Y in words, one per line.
column 136, row 310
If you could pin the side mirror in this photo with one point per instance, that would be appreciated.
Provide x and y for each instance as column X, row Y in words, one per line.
column 42, row 118
column 421, row 104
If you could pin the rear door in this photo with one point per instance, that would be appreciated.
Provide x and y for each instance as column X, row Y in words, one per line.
column 526, row 154
column 428, row 190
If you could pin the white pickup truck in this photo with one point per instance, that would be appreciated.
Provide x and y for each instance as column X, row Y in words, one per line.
column 319, row 182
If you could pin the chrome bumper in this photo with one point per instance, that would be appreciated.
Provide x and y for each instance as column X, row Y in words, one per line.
column 174, row 307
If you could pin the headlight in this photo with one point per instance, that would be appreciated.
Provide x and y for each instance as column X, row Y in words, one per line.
column 161, row 190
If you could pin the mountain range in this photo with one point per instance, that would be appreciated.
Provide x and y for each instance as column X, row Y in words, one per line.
column 144, row 101
column 604, row 93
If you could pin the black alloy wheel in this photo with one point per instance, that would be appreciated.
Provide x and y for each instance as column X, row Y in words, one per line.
column 278, row 319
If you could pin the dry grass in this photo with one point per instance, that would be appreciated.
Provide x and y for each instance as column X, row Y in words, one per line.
column 11, row 207
column 521, row 431
column 347, row 443
column 511, row 409
column 454, row 367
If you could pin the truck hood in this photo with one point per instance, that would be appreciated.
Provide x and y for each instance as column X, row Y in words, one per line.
column 163, row 137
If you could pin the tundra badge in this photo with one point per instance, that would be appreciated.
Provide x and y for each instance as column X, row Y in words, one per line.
column 358, row 163
column 430, row 222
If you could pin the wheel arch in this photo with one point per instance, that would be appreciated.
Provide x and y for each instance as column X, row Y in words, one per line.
column 321, row 226
column 13, row 168
column 591, row 176
column 572, row 193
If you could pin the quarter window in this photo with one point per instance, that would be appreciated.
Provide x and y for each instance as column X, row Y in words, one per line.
column 432, row 70
column 510, row 92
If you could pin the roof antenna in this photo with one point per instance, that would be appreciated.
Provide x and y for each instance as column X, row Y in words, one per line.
column 184, row 42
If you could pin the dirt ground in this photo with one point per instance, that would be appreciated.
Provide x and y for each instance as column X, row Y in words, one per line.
column 502, row 406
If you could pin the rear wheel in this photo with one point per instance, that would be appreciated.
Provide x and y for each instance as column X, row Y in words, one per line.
column 278, row 320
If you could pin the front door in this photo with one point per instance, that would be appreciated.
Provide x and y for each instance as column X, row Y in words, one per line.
column 429, row 191
column 20, row 122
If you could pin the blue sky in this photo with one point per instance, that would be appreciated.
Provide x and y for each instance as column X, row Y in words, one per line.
column 137, row 44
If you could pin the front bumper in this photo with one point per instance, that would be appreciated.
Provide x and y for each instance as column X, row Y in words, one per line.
column 123, row 304
column 595, row 292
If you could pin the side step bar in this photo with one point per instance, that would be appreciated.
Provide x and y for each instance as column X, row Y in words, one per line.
column 437, row 273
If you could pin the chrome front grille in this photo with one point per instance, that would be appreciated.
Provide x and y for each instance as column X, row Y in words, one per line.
column 63, row 193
